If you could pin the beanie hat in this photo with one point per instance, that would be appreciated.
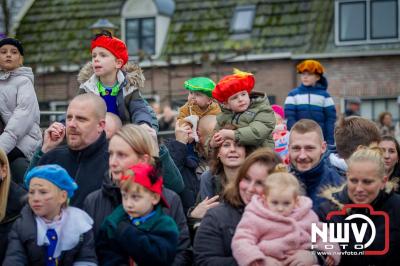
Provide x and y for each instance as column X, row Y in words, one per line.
column 13, row 42
column 278, row 110
column 312, row 66
column 140, row 174
column 232, row 84
column 54, row 174
column 200, row 84
column 112, row 44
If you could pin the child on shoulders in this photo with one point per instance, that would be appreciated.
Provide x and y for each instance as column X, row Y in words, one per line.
column 277, row 224
column 49, row 232
column 138, row 232
column 200, row 103
column 250, row 112
column 117, row 81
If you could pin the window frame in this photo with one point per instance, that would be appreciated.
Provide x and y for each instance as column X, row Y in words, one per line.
column 237, row 10
column 140, row 31
column 368, row 24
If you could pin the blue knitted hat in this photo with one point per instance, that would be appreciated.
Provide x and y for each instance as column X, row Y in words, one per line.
column 54, row 174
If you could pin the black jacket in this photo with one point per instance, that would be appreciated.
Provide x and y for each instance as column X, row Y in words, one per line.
column 101, row 203
column 388, row 202
column 187, row 166
column 23, row 250
column 212, row 243
column 15, row 202
column 86, row 166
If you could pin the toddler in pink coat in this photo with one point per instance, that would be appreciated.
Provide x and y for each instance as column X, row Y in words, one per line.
column 276, row 224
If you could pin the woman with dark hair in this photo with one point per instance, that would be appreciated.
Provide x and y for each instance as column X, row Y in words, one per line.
column 391, row 156
column 212, row 243
column 224, row 166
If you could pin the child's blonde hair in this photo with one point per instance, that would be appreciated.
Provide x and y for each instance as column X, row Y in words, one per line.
column 282, row 181
column 4, row 184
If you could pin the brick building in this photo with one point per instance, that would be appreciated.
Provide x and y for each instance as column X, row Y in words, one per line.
column 358, row 42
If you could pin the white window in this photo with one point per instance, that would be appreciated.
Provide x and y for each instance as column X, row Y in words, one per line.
column 145, row 25
column 242, row 21
column 366, row 21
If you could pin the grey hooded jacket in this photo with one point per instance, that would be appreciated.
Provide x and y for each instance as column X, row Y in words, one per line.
column 19, row 110
column 132, row 107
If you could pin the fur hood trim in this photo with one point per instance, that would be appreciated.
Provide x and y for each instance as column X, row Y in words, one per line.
column 329, row 192
column 132, row 73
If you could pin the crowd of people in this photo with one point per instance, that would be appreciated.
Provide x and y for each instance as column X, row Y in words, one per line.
column 241, row 182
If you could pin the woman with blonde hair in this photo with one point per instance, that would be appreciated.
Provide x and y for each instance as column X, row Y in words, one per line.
column 129, row 146
column 367, row 183
column 11, row 202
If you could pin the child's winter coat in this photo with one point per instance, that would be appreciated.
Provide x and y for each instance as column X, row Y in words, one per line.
column 262, row 233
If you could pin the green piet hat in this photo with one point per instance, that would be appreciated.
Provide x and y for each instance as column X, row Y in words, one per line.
column 200, row 84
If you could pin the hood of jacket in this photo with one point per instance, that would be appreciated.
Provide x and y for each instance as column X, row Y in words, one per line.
column 21, row 71
column 338, row 196
column 130, row 77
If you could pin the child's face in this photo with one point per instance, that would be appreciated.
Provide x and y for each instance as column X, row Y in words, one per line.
column 104, row 63
column 281, row 201
column 45, row 198
column 138, row 202
column 199, row 99
column 10, row 58
column 309, row 79
column 238, row 102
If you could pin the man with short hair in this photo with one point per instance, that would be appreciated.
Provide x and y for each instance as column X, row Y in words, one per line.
column 306, row 152
column 85, row 156
column 350, row 134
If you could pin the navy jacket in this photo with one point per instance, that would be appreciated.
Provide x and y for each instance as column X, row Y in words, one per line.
column 313, row 103
column 317, row 179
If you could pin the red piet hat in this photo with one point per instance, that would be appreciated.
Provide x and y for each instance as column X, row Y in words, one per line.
column 231, row 84
column 112, row 44
column 140, row 174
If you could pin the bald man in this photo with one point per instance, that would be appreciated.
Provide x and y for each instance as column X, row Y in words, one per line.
column 85, row 156
column 113, row 124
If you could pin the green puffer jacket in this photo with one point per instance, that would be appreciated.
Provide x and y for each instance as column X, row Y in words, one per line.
column 255, row 125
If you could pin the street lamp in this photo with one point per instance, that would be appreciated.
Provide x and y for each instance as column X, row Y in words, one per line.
column 103, row 24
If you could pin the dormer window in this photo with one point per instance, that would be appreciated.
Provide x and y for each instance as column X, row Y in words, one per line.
column 141, row 35
column 242, row 21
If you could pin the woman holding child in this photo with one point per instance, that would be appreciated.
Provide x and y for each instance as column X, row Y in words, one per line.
column 212, row 244
column 367, row 183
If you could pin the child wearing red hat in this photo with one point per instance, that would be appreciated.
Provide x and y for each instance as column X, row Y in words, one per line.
column 117, row 81
column 251, row 113
column 311, row 100
column 138, row 232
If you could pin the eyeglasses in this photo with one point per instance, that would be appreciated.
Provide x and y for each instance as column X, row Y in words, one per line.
column 105, row 33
